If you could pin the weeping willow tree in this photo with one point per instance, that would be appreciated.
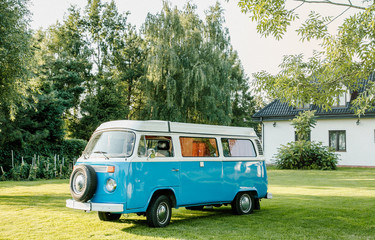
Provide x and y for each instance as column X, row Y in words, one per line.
column 193, row 75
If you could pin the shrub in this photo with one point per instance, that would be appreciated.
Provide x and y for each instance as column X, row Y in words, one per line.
column 73, row 148
column 306, row 155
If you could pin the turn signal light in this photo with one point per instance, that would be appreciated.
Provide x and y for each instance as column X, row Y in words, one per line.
column 110, row 169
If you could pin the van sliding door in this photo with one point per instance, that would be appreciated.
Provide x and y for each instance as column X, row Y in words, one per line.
column 201, row 171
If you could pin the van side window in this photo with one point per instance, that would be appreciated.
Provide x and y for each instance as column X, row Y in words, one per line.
column 198, row 147
column 238, row 147
column 162, row 145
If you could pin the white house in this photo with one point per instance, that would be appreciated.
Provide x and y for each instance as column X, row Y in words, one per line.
column 353, row 138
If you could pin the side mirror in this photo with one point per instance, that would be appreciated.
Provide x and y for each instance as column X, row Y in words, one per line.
column 150, row 153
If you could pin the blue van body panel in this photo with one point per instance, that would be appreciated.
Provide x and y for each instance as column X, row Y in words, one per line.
column 146, row 177
column 101, row 194
column 200, row 184
column 244, row 176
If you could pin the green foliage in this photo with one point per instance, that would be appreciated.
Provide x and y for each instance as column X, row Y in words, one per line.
column 303, row 123
column 347, row 56
column 305, row 155
column 261, row 10
column 47, row 162
column 193, row 74
column 15, row 53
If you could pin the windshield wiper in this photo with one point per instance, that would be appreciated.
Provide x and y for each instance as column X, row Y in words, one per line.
column 104, row 154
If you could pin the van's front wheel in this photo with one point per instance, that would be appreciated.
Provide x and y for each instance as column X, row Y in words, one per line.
column 107, row 216
column 243, row 203
column 159, row 212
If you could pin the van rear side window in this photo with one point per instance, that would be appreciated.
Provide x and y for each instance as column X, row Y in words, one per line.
column 238, row 147
column 198, row 147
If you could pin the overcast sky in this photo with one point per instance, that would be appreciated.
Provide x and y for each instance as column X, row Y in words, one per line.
column 256, row 53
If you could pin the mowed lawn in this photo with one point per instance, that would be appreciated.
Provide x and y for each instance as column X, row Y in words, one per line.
column 306, row 205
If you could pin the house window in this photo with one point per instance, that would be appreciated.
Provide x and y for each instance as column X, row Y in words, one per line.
column 302, row 106
column 337, row 140
column 341, row 100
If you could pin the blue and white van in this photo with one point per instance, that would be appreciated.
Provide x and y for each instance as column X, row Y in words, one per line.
column 150, row 167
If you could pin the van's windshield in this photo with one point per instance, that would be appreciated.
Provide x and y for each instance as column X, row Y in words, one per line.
column 111, row 144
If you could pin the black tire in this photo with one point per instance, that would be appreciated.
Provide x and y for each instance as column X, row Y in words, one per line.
column 107, row 216
column 83, row 183
column 257, row 204
column 243, row 203
column 198, row 208
column 159, row 212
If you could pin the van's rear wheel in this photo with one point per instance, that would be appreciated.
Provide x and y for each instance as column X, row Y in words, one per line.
column 107, row 216
column 159, row 212
column 243, row 203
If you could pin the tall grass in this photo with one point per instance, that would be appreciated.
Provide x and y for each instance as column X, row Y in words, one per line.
column 307, row 204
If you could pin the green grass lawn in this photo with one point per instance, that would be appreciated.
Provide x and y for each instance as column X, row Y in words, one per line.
column 306, row 205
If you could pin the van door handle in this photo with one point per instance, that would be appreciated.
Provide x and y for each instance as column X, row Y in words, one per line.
column 175, row 170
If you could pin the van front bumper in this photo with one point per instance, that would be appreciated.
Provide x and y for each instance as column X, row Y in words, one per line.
column 90, row 206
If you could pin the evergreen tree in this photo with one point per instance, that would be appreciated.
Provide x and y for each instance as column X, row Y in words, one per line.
column 118, row 57
column 15, row 55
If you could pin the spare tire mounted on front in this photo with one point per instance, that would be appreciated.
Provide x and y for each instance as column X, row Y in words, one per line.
column 83, row 183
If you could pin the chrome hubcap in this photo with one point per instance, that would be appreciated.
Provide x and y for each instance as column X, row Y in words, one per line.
column 79, row 183
column 162, row 213
column 245, row 203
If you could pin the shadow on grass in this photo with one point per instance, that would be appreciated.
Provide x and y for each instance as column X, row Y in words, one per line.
column 8, row 184
column 289, row 217
column 184, row 224
column 46, row 201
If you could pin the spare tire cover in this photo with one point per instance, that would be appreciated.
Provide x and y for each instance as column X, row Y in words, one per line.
column 83, row 183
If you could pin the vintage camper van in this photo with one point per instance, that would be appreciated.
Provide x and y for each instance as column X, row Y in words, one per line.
column 150, row 167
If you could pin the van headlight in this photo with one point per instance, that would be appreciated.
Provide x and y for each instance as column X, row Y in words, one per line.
column 111, row 185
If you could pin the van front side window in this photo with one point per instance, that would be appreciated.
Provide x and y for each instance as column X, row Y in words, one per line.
column 198, row 147
column 111, row 144
column 238, row 148
column 161, row 145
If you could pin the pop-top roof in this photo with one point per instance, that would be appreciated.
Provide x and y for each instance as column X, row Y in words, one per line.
column 176, row 127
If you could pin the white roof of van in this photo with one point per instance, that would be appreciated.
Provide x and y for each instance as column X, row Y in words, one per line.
column 176, row 127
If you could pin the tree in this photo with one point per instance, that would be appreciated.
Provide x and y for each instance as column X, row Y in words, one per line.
column 192, row 72
column 15, row 54
column 347, row 55
column 117, row 53
column 63, row 66
column 303, row 123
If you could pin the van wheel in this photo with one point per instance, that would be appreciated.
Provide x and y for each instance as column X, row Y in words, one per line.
column 107, row 216
column 243, row 203
column 159, row 212
column 83, row 183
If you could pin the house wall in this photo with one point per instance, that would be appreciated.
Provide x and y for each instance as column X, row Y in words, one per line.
column 360, row 139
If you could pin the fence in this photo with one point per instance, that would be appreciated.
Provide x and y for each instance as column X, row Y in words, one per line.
column 38, row 167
